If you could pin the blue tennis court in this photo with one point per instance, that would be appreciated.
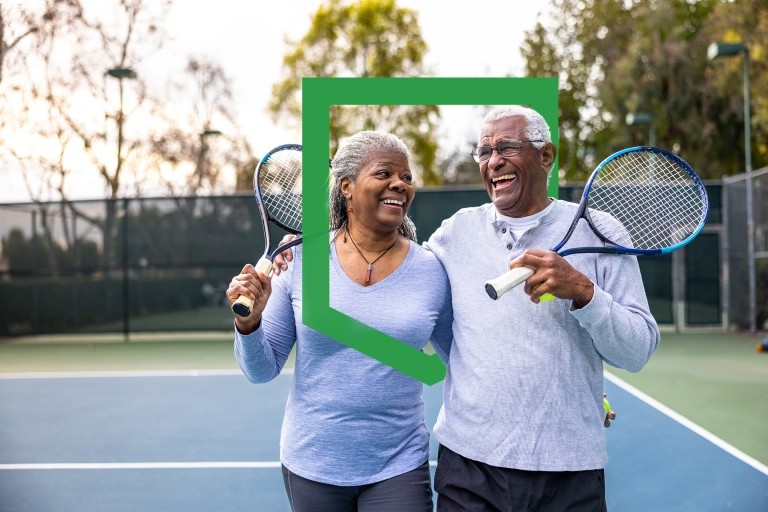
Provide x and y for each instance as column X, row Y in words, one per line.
column 204, row 441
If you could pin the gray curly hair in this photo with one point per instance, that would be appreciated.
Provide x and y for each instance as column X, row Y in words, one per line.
column 349, row 159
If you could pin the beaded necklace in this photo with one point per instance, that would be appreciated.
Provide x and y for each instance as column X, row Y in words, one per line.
column 370, row 263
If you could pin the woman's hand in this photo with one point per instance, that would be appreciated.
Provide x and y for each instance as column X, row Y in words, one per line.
column 254, row 285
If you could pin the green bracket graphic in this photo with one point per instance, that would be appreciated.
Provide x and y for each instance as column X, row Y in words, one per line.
column 318, row 94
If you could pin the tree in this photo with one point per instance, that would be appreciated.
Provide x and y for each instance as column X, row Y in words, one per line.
column 459, row 168
column 366, row 38
column 24, row 27
column 659, row 66
column 75, row 101
column 198, row 143
column 745, row 22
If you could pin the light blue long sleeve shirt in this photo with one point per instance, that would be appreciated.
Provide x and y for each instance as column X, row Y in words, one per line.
column 351, row 420
column 525, row 381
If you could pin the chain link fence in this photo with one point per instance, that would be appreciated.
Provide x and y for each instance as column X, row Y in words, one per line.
column 736, row 248
column 163, row 264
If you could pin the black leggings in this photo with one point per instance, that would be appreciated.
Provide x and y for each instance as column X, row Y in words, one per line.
column 409, row 492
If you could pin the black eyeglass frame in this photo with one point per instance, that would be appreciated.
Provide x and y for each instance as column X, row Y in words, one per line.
column 501, row 148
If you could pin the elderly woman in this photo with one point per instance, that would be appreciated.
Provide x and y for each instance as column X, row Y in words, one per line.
column 353, row 436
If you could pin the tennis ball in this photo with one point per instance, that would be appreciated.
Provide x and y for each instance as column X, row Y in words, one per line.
column 607, row 406
column 546, row 297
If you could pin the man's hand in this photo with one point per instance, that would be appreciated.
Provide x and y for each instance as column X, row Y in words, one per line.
column 554, row 275
column 281, row 261
column 610, row 415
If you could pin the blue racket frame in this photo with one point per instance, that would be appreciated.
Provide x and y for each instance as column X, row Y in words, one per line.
column 618, row 249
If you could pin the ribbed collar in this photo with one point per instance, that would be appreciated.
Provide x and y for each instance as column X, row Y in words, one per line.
column 498, row 221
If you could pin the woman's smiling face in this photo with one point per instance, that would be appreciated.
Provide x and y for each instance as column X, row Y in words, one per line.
column 383, row 190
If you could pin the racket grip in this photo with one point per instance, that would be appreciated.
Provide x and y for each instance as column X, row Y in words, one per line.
column 243, row 305
column 264, row 265
column 499, row 286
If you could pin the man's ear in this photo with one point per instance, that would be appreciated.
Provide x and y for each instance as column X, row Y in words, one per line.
column 548, row 154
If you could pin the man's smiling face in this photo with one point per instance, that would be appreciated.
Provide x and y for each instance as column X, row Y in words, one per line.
column 517, row 184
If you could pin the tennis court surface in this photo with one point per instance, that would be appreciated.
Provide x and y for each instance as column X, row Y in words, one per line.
column 207, row 440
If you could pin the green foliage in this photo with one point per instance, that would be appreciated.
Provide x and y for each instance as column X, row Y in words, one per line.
column 188, row 232
column 366, row 38
column 165, row 251
column 30, row 255
column 613, row 58
column 75, row 303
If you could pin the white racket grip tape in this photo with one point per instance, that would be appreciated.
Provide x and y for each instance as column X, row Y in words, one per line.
column 264, row 265
column 506, row 281
column 242, row 306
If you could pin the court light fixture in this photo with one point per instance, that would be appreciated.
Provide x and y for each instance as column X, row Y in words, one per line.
column 121, row 73
column 714, row 51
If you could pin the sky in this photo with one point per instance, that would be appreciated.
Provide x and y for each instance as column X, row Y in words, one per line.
column 465, row 39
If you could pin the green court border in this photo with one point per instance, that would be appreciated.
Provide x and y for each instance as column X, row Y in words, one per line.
column 318, row 95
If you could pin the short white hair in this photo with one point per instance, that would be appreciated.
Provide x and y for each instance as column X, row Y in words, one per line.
column 536, row 127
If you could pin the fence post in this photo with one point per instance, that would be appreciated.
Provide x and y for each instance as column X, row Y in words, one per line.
column 126, row 292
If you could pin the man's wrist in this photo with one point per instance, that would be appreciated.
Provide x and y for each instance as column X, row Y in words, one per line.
column 585, row 297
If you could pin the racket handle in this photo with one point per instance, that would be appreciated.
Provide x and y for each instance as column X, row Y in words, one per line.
column 243, row 305
column 264, row 265
column 506, row 281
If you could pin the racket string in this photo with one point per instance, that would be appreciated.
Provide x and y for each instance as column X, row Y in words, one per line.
column 656, row 201
column 279, row 181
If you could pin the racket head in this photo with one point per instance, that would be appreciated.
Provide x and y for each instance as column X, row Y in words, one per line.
column 277, row 186
column 645, row 200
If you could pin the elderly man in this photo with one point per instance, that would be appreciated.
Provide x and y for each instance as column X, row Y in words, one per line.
column 521, row 427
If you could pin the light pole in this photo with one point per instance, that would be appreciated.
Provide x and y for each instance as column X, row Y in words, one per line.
column 714, row 51
column 678, row 261
column 635, row 118
column 120, row 73
column 201, row 153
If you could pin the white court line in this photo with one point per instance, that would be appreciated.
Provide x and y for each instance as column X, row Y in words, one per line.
column 732, row 450
column 124, row 373
column 709, row 436
column 142, row 465
column 149, row 465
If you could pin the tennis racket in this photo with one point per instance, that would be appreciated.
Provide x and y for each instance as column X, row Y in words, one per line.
column 277, row 188
column 646, row 197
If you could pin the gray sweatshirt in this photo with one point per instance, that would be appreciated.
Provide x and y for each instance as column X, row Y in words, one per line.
column 525, row 381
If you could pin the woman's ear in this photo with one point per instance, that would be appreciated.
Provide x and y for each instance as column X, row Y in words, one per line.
column 346, row 185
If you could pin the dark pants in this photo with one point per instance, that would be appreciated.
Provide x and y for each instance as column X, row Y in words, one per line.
column 409, row 492
column 466, row 485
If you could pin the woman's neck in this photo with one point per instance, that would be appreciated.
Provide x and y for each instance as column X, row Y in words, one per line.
column 368, row 240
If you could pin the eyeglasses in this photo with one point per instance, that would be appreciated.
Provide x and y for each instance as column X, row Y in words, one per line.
column 505, row 148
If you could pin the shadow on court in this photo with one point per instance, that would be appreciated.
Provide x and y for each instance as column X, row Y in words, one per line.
column 208, row 441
